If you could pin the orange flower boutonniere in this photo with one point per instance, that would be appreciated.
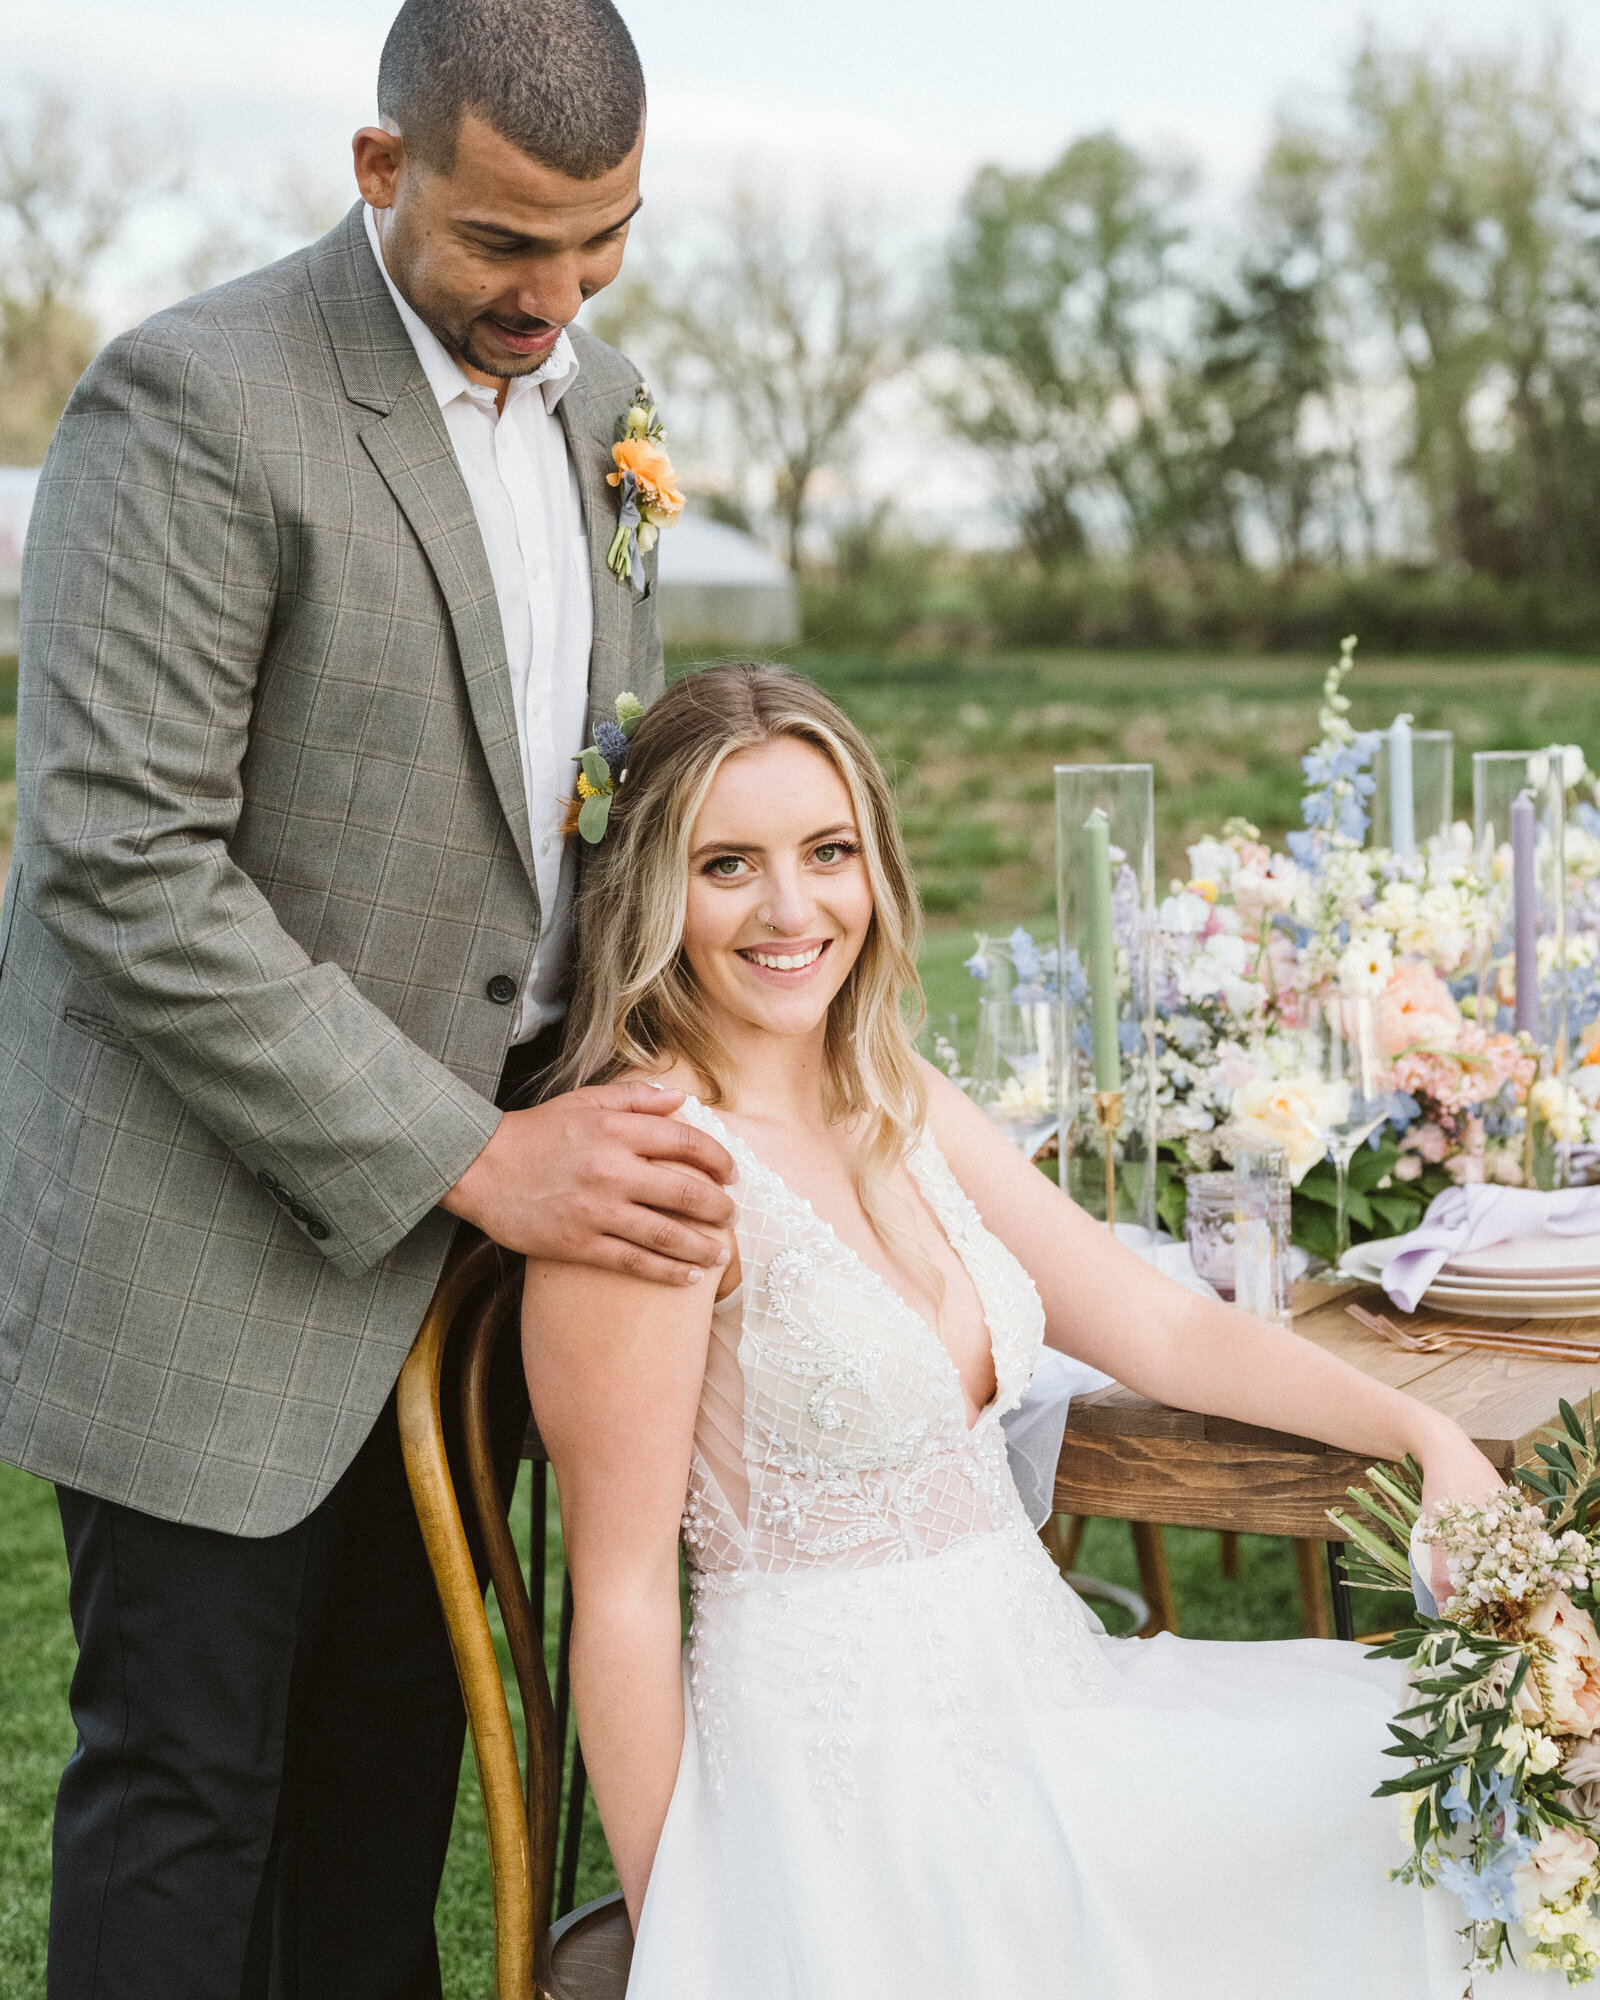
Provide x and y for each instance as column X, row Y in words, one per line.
column 648, row 498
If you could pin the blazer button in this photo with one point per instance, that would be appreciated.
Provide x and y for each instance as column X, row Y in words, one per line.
column 502, row 989
column 317, row 1231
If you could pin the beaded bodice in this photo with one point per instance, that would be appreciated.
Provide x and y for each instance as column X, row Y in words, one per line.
column 833, row 1428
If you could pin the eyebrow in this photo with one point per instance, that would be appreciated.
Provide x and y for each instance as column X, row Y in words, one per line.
column 753, row 847
column 519, row 239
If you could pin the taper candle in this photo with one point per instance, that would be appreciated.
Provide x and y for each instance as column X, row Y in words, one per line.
column 1525, row 911
column 1101, row 969
column 1402, row 790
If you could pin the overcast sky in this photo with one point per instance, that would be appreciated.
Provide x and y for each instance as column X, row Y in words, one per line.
column 901, row 95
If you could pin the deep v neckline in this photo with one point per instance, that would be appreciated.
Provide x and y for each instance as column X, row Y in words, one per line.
column 873, row 1275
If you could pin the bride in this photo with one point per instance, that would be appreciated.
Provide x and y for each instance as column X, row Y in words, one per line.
column 900, row 1758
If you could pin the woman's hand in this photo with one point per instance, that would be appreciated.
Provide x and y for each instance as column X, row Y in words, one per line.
column 1453, row 1468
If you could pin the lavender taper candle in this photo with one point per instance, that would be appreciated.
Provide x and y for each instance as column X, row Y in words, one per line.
column 1525, row 911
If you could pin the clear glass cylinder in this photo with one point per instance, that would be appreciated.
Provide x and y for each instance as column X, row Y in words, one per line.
column 1261, row 1209
column 1433, row 773
column 1105, row 841
column 1499, row 779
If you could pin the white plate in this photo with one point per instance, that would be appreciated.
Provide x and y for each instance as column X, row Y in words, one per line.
column 1542, row 1255
column 1497, row 1305
column 1515, row 1288
column 1367, row 1260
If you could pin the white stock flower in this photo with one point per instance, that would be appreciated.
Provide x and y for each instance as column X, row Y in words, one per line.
column 1183, row 914
column 1561, row 1109
column 1365, row 965
column 1212, row 861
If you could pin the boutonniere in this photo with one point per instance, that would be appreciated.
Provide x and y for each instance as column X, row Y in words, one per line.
column 600, row 769
column 648, row 499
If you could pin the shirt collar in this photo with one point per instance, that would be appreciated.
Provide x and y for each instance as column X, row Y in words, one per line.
column 553, row 377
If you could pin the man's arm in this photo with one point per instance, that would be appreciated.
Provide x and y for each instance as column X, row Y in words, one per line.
column 149, row 590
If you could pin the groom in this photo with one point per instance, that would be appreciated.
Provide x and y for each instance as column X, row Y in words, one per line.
column 316, row 618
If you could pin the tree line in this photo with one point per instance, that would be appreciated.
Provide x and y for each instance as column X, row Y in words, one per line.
column 1386, row 353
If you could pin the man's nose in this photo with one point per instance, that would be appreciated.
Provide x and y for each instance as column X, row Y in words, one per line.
column 554, row 295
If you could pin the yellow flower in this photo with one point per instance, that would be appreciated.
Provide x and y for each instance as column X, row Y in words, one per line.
column 585, row 789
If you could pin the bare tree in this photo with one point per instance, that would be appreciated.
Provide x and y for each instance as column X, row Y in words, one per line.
column 787, row 328
column 64, row 200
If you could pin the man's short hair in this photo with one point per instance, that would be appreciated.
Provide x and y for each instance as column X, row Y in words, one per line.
column 559, row 78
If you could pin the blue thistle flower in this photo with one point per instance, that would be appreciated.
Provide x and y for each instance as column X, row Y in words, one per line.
column 612, row 745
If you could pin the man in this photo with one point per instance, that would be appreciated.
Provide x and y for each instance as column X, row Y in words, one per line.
column 316, row 617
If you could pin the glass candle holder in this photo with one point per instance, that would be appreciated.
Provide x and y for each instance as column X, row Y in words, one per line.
column 1431, row 795
column 1105, row 907
column 1210, row 1225
column 1519, row 814
column 1262, row 1280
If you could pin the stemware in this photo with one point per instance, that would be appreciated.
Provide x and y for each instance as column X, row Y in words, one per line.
column 1353, row 1102
column 1016, row 1071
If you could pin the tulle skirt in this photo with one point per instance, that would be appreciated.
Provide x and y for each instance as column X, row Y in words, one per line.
column 943, row 1779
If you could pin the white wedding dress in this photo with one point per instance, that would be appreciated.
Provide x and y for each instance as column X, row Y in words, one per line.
column 914, row 1765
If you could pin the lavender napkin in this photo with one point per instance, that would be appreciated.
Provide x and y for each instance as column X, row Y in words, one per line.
column 1471, row 1218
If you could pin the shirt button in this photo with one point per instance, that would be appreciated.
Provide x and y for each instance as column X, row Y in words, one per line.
column 544, row 845
column 502, row 989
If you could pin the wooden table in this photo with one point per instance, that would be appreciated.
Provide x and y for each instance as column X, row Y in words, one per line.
column 1127, row 1458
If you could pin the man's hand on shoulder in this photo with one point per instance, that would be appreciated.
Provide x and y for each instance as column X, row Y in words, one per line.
column 603, row 1176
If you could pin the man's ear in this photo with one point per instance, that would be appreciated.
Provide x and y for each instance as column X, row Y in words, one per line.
column 379, row 153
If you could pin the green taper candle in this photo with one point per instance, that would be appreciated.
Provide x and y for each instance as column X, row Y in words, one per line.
column 1101, row 950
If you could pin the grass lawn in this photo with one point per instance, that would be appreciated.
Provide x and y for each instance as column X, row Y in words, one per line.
column 970, row 743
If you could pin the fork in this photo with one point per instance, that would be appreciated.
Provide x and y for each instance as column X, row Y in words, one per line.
column 1542, row 1348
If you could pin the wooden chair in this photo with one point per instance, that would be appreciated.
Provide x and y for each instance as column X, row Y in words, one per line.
column 585, row 1955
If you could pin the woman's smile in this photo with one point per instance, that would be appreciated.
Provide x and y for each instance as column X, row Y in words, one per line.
column 788, row 967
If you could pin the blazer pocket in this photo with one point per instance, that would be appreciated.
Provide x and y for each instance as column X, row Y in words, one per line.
column 98, row 1029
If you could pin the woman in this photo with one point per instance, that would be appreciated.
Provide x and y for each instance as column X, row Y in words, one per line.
column 901, row 1758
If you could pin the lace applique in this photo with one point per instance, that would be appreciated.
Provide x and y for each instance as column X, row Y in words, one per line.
column 860, row 1460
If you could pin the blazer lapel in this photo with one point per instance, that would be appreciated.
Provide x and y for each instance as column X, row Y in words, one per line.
column 589, row 419
column 412, row 449
column 408, row 443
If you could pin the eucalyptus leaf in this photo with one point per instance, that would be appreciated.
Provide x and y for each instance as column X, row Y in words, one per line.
column 593, row 816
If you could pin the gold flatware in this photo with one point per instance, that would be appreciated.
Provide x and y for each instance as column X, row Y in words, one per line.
column 1538, row 1347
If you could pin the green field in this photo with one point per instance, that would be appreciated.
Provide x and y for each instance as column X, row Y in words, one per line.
column 970, row 743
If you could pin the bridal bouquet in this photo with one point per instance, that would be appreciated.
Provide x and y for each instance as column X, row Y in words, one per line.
column 1501, row 1797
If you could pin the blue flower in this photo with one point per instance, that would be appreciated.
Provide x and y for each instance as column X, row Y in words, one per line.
column 612, row 745
column 977, row 965
column 1455, row 1800
column 1024, row 955
column 1404, row 1110
column 1488, row 1895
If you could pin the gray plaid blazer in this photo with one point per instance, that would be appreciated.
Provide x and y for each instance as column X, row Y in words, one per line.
column 271, row 887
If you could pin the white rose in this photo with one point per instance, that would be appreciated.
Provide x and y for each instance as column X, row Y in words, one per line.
column 1294, row 1113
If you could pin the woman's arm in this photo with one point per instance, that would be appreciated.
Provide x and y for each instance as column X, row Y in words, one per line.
column 614, row 1370
column 1110, row 1308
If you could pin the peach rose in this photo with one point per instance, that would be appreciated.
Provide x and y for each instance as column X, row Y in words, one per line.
column 1416, row 1006
column 1555, row 1867
column 1582, row 1774
column 1572, row 1670
column 659, row 498
column 1294, row 1113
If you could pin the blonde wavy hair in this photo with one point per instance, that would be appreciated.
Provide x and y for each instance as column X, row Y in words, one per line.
column 637, row 1005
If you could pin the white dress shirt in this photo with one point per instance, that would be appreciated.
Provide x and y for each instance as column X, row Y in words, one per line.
column 524, row 492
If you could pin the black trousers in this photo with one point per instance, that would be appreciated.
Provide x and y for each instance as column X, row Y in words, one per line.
column 269, row 1740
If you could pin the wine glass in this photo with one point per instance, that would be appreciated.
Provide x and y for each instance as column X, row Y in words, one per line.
column 1017, row 1069
column 1354, row 1102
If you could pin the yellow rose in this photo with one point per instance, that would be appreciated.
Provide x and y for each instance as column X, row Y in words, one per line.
column 659, row 498
column 1293, row 1112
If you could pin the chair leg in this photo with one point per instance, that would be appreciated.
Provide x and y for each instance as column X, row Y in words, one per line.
column 1062, row 1535
column 572, row 1837
column 1309, row 1566
column 1228, row 1554
column 1155, row 1580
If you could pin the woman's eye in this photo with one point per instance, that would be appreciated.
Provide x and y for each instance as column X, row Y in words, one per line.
column 834, row 850
column 726, row 865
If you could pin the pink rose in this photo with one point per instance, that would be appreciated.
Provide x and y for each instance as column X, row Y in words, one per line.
column 1555, row 1867
column 1428, row 1140
column 1582, row 1774
column 1416, row 1007
column 1572, row 1669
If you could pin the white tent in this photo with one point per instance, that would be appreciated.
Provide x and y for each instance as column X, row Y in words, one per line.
column 719, row 587
column 17, row 483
